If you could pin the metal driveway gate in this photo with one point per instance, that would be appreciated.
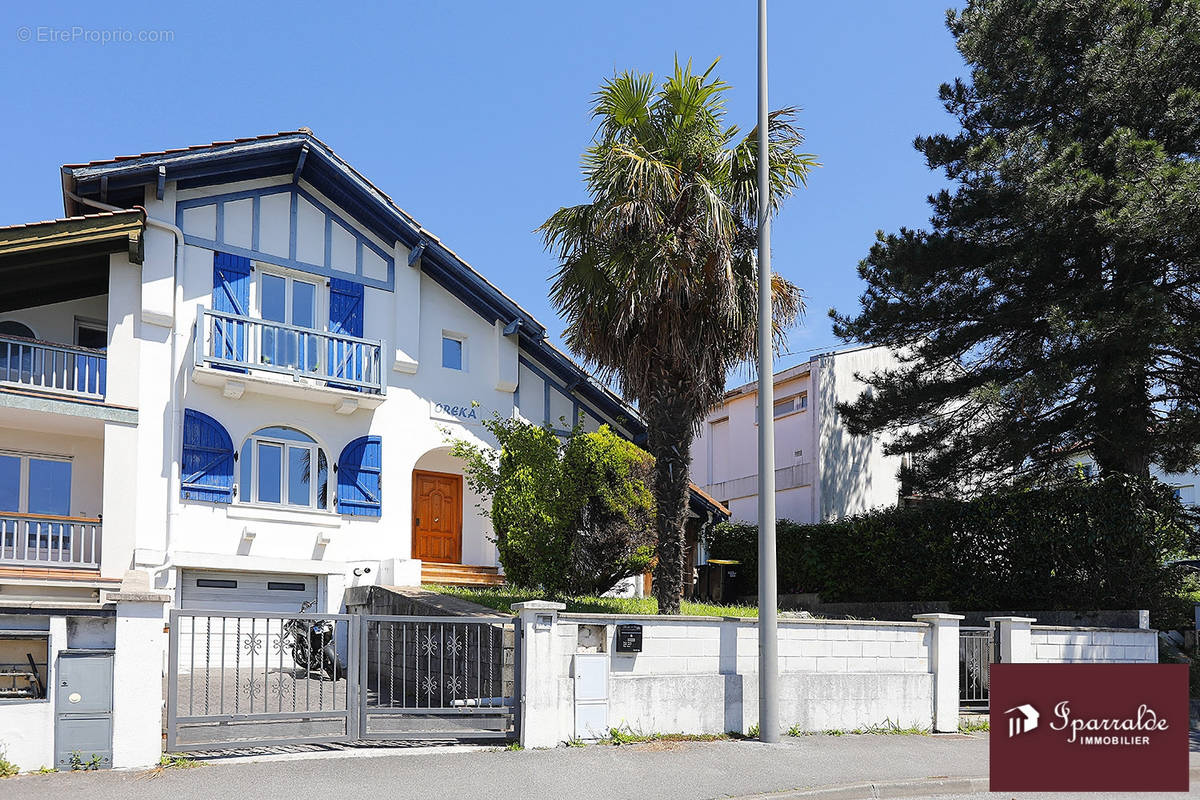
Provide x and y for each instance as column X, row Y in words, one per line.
column 255, row 679
column 437, row 677
column 976, row 653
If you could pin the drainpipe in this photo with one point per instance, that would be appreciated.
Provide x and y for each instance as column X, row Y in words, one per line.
column 176, row 412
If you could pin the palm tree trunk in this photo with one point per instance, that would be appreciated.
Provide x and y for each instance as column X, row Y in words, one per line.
column 669, row 440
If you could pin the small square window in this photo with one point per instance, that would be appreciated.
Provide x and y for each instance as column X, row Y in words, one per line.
column 452, row 353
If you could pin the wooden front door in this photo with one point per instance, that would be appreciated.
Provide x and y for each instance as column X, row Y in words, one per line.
column 437, row 517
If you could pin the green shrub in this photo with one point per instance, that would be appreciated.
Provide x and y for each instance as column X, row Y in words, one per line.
column 1082, row 545
column 571, row 515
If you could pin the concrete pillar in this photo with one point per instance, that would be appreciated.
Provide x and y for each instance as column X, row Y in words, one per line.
column 943, row 662
column 1015, row 638
column 138, row 672
column 541, row 673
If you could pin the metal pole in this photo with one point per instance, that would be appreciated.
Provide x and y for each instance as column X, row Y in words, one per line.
column 768, row 624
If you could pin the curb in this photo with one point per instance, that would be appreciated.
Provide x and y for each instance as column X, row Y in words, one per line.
column 879, row 790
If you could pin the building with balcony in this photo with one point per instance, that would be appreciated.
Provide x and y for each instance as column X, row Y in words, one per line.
column 240, row 368
column 821, row 471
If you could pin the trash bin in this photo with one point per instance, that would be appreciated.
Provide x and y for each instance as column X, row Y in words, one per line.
column 720, row 581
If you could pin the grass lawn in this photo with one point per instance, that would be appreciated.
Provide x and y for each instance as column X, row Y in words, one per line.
column 501, row 597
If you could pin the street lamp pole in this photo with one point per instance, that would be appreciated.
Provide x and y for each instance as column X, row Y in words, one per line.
column 768, row 624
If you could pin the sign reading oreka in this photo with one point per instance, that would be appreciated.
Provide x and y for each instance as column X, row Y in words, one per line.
column 1089, row 727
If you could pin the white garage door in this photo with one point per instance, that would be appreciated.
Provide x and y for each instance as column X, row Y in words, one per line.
column 248, row 592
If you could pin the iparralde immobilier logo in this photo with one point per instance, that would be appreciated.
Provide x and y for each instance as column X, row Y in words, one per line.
column 1089, row 727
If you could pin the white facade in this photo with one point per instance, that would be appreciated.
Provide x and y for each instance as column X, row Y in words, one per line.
column 822, row 471
column 165, row 342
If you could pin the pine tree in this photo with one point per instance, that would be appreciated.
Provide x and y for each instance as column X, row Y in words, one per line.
column 1053, row 307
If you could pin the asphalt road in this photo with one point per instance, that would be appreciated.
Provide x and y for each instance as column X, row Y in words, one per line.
column 664, row 771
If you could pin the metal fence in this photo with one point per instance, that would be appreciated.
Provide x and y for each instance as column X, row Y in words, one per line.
column 976, row 653
column 257, row 679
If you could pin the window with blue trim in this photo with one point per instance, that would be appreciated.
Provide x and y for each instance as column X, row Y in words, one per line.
column 283, row 466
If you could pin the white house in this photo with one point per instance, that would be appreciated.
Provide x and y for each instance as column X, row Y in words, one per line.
column 821, row 471
column 236, row 369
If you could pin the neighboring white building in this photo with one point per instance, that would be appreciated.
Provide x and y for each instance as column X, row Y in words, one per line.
column 821, row 471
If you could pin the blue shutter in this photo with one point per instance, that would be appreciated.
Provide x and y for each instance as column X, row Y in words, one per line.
column 346, row 359
column 206, row 466
column 358, row 478
column 231, row 294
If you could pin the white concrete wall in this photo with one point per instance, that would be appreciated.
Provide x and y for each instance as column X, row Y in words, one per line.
column 27, row 726
column 1061, row 645
column 699, row 674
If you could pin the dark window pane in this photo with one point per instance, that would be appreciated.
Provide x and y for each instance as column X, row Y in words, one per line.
column 91, row 337
column 274, row 298
column 322, row 480
column 451, row 353
column 298, row 472
column 270, row 473
column 304, row 304
column 10, row 483
column 284, row 586
column 215, row 583
column 49, row 487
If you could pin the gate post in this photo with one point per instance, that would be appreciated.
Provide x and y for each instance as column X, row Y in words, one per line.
column 541, row 673
column 138, row 672
column 1014, row 638
column 943, row 662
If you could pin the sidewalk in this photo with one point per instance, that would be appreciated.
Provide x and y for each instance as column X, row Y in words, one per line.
column 842, row 767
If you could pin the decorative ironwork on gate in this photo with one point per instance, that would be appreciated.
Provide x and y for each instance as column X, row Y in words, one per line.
column 264, row 679
column 976, row 653
column 437, row 677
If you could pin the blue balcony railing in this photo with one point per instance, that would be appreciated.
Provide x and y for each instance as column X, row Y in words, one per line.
column 246, row 344
column 47, row 366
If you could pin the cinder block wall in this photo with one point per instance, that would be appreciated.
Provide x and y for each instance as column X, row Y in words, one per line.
column 1057, row 645
column 700, row 674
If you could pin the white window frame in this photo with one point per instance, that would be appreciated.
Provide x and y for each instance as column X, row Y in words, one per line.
column 88, row 323
column 320, row 301
column 23, row 488
column 249, row 495
column 453, row 336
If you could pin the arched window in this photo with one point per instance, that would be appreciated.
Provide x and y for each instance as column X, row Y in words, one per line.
column 283, row 466
column 10, row 327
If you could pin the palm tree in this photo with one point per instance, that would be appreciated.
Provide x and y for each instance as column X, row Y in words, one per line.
column 657, row 275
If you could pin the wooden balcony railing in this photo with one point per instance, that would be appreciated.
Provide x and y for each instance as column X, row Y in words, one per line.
column 53, row 367
column 44, row 540
column 247, row 344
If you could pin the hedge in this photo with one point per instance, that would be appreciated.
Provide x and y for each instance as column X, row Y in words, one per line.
column 1084, row 545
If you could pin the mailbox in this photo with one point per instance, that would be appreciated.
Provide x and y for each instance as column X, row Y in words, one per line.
column 629, row 638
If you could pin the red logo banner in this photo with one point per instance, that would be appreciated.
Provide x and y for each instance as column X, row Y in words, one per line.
column 1089, row 727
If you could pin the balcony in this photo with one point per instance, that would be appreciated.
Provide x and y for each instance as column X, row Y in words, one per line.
column 785, row 478
column 39, row 540
column 238, row 352
column 54, row 368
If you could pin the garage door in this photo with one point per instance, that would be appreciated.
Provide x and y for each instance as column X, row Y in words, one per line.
column 246, row 592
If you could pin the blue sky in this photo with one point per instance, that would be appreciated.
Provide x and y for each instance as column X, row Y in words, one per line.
column 472, row 115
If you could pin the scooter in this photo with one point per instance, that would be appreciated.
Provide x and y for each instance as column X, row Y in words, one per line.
column 310, row 642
